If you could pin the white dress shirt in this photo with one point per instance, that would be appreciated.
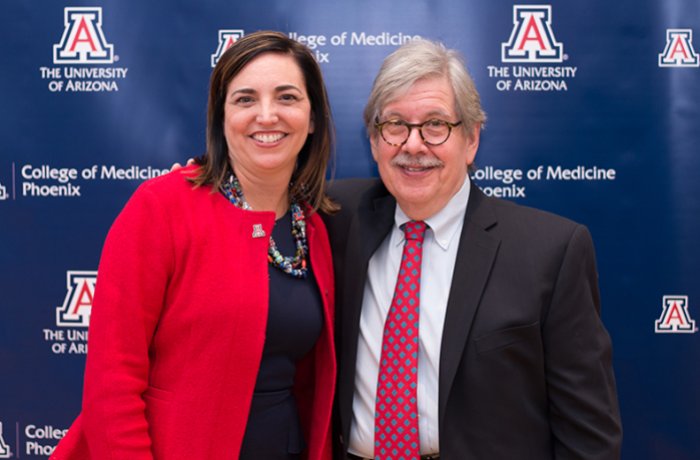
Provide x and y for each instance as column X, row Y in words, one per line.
column 439, row 254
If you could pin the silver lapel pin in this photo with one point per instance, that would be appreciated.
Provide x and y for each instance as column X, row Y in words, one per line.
column 258, row 231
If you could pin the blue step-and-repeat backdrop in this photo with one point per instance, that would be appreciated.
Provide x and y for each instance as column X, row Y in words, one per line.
column 594, row 113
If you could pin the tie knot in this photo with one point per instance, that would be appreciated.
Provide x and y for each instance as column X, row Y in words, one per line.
column 414, row 230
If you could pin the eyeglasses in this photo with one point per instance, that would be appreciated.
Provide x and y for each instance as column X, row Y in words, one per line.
column 433, row 131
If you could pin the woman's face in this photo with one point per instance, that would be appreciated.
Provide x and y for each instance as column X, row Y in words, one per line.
column 267, row 117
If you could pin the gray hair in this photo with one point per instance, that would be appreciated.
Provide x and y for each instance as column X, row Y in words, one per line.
column 419, row 59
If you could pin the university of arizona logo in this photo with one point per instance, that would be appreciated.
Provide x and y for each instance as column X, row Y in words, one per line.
column 679, row 50
column 83, row 41
column 82, row 57
column 226, row 39
column 532, row 39
column 4, row 449
column 77, row 305
column 675, row 317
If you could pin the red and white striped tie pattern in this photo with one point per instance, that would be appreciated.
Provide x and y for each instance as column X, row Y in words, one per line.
column 396, row 410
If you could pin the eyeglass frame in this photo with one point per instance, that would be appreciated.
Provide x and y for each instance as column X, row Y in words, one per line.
column 379, row 127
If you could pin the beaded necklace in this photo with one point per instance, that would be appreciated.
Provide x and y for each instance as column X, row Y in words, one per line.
column 295, row 266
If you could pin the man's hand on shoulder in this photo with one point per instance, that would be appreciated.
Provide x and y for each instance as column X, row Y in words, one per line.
column 177, row 166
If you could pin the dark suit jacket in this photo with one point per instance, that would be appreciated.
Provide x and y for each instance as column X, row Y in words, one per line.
column 525, row 365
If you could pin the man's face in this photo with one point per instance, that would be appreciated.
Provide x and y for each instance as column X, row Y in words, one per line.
column 424, row 177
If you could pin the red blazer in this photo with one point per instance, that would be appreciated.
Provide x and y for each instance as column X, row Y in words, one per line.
column 178, row 327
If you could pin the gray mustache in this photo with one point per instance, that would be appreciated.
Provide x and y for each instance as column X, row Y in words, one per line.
column 406, row 160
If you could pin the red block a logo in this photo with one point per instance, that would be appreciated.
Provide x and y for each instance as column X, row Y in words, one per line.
column 532, row 39
column 675, row 317
column 226, row 39
column 77, row 306
column 679, row 50
column 83, row 41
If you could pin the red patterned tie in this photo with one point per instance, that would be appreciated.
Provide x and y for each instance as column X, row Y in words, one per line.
column 396, row 410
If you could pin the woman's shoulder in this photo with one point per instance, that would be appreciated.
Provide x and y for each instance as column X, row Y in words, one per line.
column 172, row 190
column 175, row 185
column 171, row 182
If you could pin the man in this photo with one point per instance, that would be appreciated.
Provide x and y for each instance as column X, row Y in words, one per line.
column 513, row 361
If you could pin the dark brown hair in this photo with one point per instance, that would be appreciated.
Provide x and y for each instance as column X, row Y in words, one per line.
column 309, row 177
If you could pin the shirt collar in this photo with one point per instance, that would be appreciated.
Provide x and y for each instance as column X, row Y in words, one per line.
column 445, row 223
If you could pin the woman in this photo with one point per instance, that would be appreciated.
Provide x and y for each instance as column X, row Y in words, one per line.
column 211, row 331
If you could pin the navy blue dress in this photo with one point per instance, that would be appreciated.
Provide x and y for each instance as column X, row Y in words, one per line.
column 295, row 320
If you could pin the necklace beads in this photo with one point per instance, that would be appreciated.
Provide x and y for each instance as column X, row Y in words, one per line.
column 294, row 265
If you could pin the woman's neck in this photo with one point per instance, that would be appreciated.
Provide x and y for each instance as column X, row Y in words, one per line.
column 270, row 193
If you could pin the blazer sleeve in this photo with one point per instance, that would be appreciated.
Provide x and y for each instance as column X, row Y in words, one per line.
column 584, row 413
column 133, row 274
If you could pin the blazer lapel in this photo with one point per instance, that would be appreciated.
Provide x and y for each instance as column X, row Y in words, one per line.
column 367, row 231
column 475, row 257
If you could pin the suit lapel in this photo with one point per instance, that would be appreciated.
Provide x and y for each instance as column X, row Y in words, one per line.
column 368, row 229
column 475, row 257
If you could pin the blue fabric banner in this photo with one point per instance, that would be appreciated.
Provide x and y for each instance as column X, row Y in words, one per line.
column 593, row 113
